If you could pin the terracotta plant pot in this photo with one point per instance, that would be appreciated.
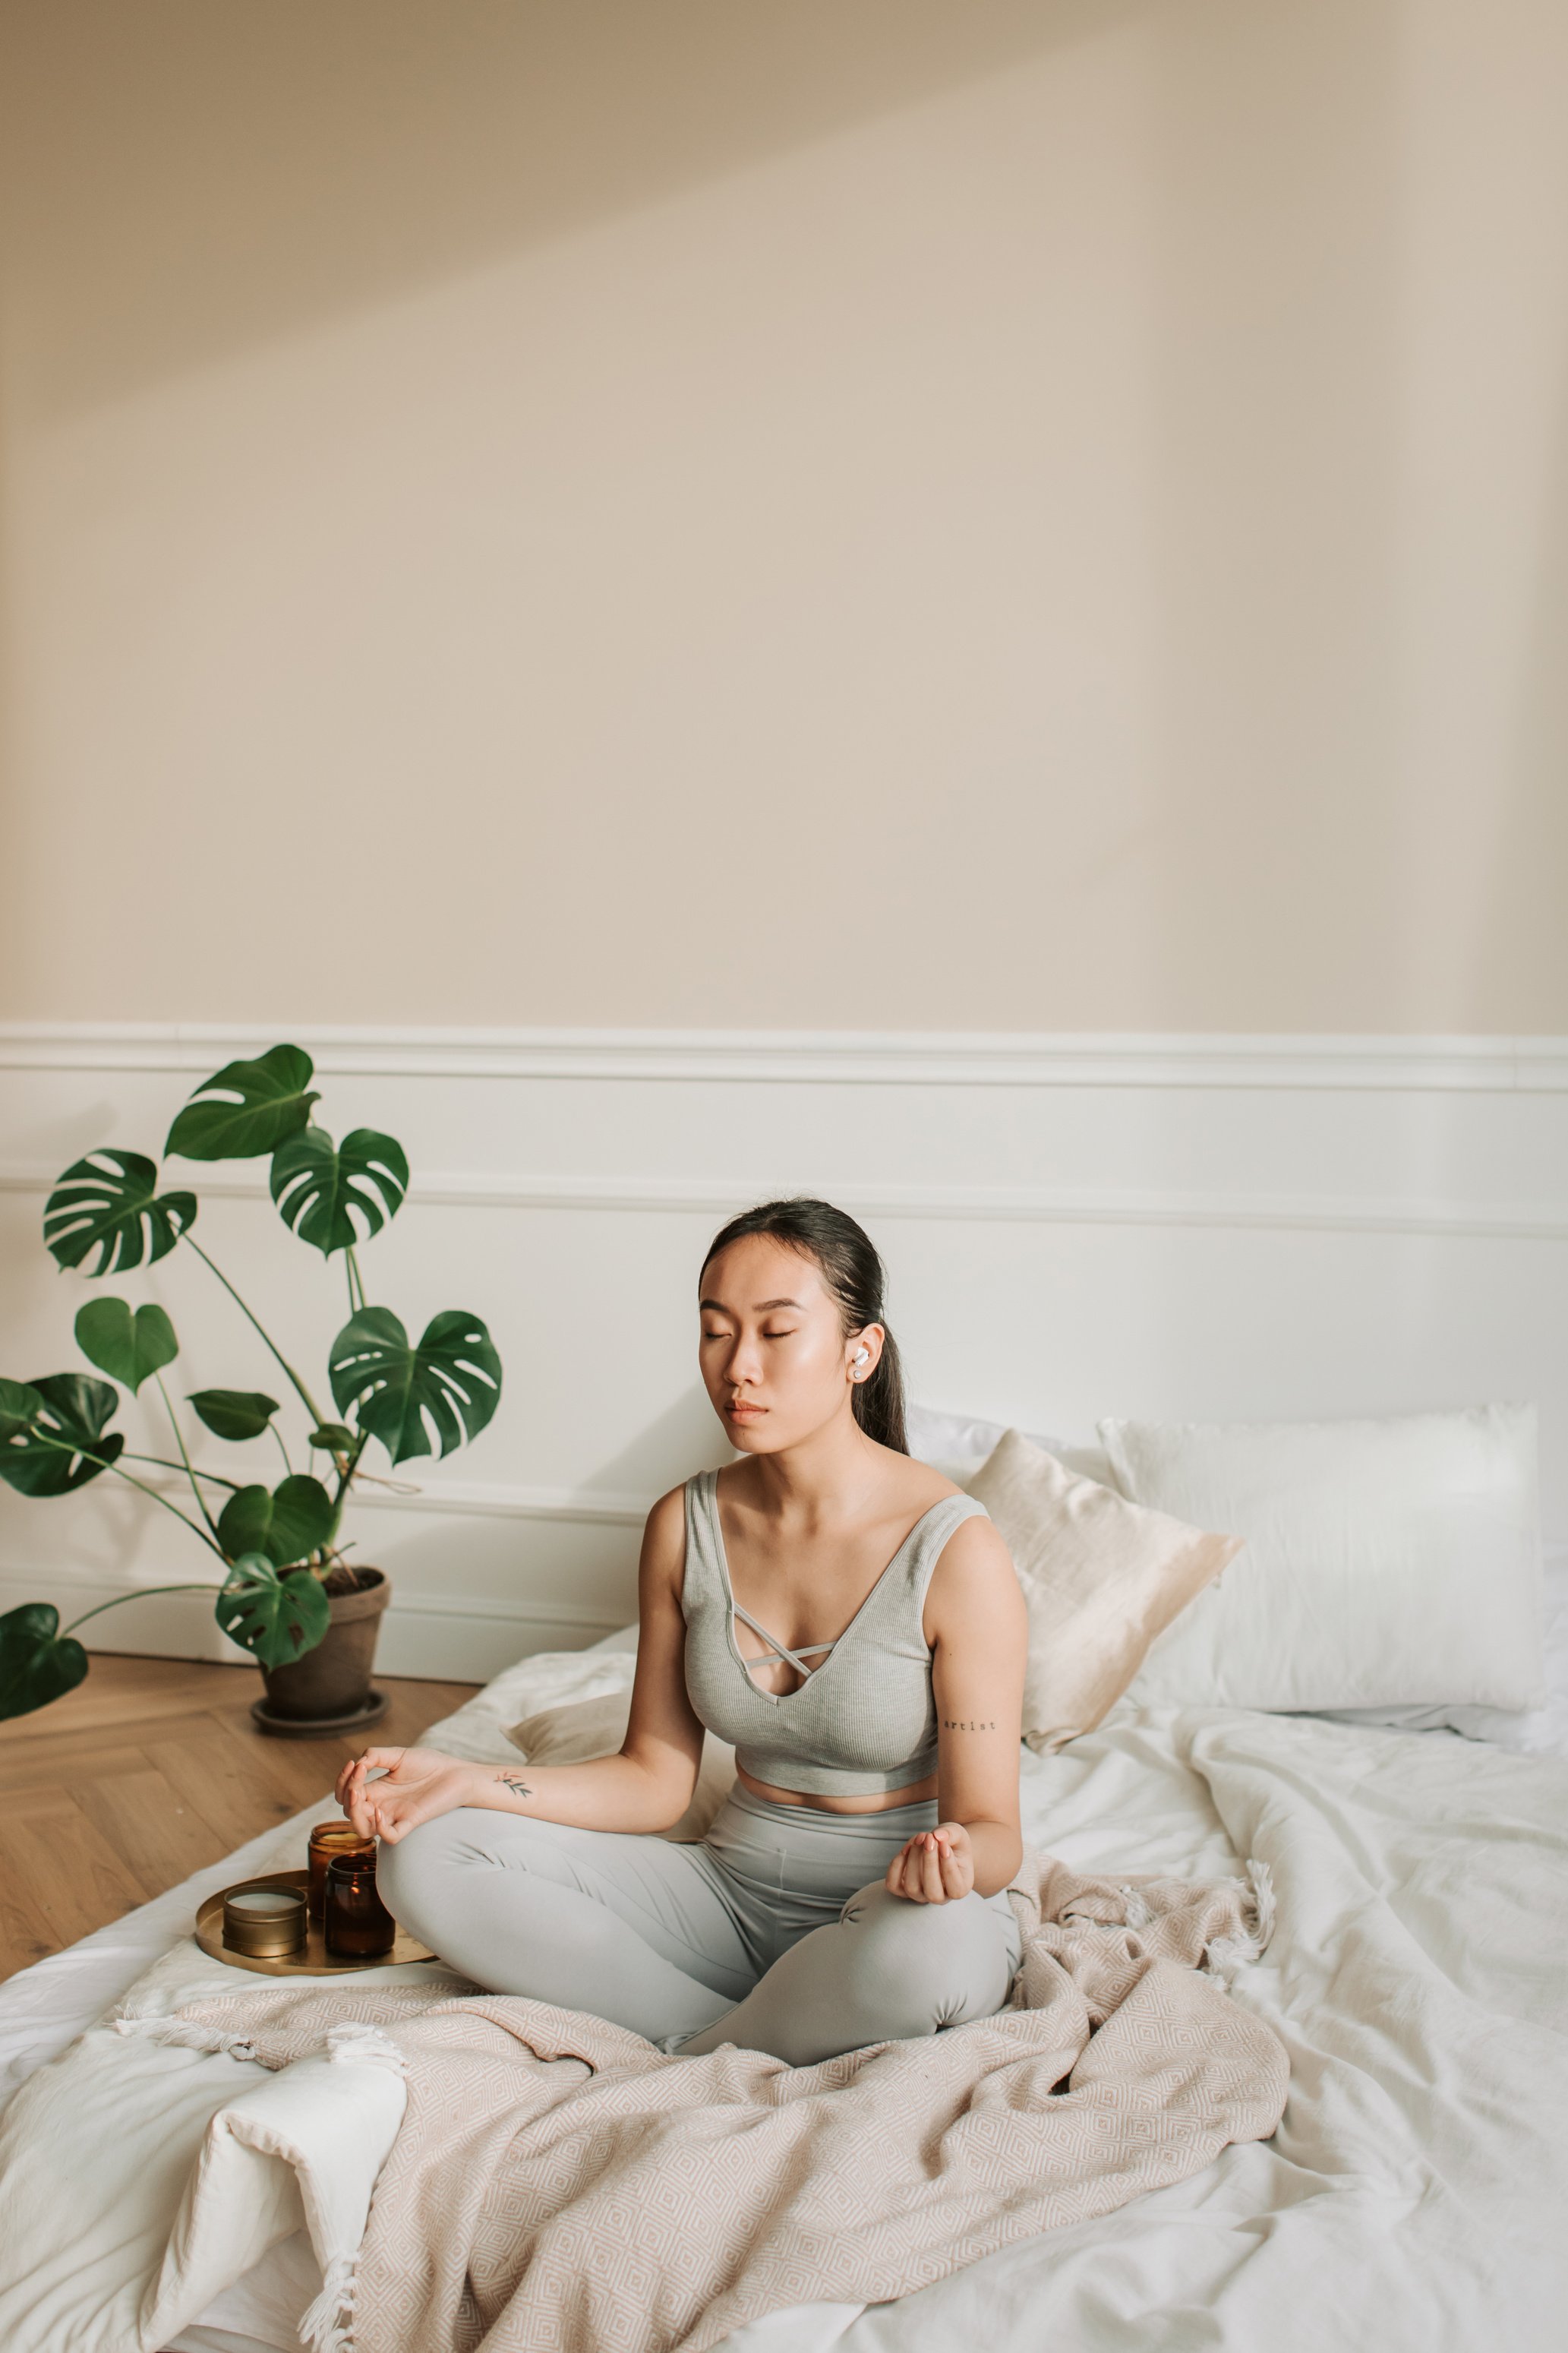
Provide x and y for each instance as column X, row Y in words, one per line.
column 329, row 1690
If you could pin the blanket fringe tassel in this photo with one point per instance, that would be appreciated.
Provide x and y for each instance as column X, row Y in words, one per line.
column 1262, row 1879
column 353, row 2039
column 1226, row 1957
column 187, row 2036
column 327, row 2325
column 366, row 2045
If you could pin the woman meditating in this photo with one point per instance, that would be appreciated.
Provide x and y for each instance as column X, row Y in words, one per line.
column 852, row 1624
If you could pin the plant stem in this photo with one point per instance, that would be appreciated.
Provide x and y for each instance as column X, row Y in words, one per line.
column 352, row 1257
column 161, row 1462
column 201, row 1500
column 61, row 1447
column 282, row 1450
column 346, row 1469
column 139, row 1595
column 142, row 1489
column 311, row 1407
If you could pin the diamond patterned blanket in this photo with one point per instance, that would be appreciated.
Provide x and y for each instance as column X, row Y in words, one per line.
column 558, row 2183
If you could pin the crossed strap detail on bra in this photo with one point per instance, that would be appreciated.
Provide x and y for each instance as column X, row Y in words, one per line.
column 796, row 1659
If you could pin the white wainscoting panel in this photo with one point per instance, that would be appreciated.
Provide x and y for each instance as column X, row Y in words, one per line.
column 1186, row 1227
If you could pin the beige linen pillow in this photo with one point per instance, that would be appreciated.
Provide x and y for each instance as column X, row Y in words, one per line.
column 578, row 1730
column 1101, row 1578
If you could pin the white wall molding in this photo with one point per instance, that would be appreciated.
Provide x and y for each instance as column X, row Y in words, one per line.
column 1184, row 1229
column 468, row 1499
column 1025, row 1204
column 849, row 1058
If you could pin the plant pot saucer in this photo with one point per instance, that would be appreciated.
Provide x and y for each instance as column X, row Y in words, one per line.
column 319, row 1727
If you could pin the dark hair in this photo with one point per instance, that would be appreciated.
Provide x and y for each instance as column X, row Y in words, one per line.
column 853, row 1273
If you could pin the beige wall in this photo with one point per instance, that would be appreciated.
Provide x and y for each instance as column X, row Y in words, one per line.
column 807, row 512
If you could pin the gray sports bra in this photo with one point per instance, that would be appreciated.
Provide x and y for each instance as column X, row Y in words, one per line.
column 864, row 1719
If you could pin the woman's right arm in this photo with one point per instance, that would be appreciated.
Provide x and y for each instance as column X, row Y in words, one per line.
column 648, row 1787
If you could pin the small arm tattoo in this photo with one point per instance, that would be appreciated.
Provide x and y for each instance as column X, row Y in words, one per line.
column 968, row 1724
column 510, row 1781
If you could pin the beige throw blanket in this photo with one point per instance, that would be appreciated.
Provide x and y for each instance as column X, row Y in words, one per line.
column 656, row 2204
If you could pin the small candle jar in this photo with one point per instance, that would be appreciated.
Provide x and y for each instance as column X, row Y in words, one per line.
column 327, row 1840
column 265, row 1923
column 357, row 1923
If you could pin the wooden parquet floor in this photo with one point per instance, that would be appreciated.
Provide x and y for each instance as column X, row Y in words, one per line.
column 148, row 1771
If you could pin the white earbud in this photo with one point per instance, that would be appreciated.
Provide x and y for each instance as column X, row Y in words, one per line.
column 860, row 1359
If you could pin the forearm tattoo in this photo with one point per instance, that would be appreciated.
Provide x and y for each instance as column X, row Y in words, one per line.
column 510, row 1781
column 968, row 1724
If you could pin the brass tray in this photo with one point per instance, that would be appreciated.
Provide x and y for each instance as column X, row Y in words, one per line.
column 314, row 1960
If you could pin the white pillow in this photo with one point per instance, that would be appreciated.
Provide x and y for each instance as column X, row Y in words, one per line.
column 1529, row 1732
column 1388, row 1564
column 958, row 1446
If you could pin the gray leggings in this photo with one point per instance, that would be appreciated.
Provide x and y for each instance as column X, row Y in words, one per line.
column 775, row 1933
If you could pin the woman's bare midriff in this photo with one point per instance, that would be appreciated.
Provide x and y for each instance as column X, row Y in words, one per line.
column 878, row 1801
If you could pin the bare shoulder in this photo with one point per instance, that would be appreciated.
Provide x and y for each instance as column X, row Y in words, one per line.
column 664, row 1535
column 914, row 1485
column 974, row 1578
column 669, row 1512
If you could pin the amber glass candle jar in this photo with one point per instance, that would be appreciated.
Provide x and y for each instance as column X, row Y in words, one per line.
column 327, row 1840
column 358, row 1924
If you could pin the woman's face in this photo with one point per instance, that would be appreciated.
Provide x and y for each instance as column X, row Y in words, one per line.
column 774, row 1357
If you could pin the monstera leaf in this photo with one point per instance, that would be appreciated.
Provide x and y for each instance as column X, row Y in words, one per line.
column 270, row 1101
column 295, row 1518
column 37, row 1662
column 447, row 1387
column 277, row 1618
column 234, row 1414
column 115, row 1210
column 320, row 1188
column 19, row 1402
column 128, row 1348
column 43, row 1445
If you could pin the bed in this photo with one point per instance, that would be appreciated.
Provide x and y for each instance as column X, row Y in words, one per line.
column 1413, row 2193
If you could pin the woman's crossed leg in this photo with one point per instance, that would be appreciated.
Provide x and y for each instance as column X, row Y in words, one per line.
column 644, row 1933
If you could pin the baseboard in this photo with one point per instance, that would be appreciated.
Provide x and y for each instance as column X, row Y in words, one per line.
column 429, row 1638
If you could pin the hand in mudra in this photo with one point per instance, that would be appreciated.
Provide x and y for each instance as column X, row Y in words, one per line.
column 414, row 1785
column 935, row 1867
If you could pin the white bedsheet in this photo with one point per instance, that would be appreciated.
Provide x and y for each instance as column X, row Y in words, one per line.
column 1414, row 2194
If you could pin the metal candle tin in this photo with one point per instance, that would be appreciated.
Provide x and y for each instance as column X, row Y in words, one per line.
column 265, row 1922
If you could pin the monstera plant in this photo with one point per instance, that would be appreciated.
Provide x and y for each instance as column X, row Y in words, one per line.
column 278, row 1546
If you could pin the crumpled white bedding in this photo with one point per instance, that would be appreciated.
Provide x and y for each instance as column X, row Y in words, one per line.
column 1413, row 2195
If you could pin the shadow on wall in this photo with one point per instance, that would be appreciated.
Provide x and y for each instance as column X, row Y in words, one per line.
column 1089, row 461
column 1519, row 921
column 1277, row 134
column 212, row 177
column 686, row 1438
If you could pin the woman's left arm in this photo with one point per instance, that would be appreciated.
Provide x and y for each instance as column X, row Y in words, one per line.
column 978, row 1629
